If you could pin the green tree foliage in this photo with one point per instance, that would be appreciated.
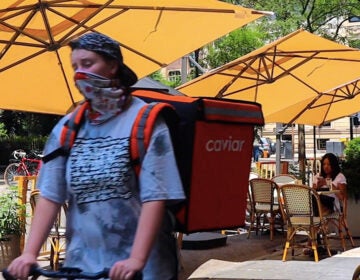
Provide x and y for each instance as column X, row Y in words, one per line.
column 236, row 44
column 315, row 16
column 354, row 44
column 27, row 124
column 3, row 131
column 157, row 76
column 312, row 15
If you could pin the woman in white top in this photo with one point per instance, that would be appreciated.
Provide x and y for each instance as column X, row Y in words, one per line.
column 330, row 169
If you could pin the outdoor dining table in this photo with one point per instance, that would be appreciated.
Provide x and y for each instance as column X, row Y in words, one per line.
column 327, row 192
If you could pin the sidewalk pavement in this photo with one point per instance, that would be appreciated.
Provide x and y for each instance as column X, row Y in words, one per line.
column 260, row 258
column 340, row 266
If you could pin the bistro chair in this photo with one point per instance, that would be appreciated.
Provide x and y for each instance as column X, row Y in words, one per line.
column 263, row 207
column 252, row 175
column 338, row 219
column 56, row 235
column 298, row 211
column 282, row 179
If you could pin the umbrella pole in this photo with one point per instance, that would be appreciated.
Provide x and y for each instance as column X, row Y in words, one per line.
column 279, row 132
column 314, row 139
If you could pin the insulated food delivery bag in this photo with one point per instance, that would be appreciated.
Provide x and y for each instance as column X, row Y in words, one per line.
column 213, row 143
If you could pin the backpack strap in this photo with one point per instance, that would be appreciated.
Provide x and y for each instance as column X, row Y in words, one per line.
column 69, row 132
column 143, row 127
column 140, row 134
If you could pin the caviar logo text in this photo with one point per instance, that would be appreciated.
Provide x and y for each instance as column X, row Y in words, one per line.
column 227, row 145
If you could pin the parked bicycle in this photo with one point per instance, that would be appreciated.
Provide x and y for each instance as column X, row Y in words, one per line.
column 22, row 164
column 69, row 273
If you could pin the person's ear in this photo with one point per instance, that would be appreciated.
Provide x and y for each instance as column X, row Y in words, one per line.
column 114, row 67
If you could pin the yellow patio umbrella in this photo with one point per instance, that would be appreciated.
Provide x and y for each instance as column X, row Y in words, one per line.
column 35, row 70
column 288, row 77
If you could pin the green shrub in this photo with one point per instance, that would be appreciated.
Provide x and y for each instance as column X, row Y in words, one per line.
column 351, row 168
column 12, row 214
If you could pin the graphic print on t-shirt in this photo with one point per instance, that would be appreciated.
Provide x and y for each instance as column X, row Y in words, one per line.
column 100, row 169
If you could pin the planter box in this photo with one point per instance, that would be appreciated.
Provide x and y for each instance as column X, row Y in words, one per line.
column 353, row 217
column 9, row 250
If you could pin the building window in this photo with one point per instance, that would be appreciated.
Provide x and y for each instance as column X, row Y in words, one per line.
column 174, row 75
column 326, row 124
column 321, row 143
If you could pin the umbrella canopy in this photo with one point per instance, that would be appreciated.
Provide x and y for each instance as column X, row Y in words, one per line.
column 35, row 70
column 288, row 77
column 336, row 103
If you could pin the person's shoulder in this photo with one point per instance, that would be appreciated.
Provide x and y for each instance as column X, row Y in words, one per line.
column 60, row 124
column 136, row 102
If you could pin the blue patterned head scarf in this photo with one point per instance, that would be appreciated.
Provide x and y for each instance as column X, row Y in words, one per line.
column 107, row 47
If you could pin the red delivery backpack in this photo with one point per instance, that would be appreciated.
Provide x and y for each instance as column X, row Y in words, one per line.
column 212, row 139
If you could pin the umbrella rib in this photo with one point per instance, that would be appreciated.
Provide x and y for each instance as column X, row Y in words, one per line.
column 295, row 54
column 79, row 25
column 349, row 90
column 221, row 92
column 48, row 28
column 23, row 60
column 66, row 37
column 307, row 107
column 65, row 78
column 17, row 33
column 21, row 30
column 21, row 44
column 288, row 71
column 261, row 60
column 151, row 8
column 349, row 93
column 269, row 77
column 224, row 88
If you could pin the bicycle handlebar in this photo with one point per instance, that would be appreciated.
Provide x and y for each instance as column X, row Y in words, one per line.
column 18, row 154
column 69, row 273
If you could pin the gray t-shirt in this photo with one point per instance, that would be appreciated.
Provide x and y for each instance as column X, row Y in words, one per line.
column 105, row 197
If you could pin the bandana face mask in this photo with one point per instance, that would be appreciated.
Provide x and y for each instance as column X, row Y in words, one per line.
column 107, row 98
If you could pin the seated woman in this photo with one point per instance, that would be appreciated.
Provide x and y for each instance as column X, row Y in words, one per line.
column 330, row 169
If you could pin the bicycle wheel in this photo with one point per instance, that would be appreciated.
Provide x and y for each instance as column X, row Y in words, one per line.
column 13, row 169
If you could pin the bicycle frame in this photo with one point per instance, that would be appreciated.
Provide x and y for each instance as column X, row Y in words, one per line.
column 24, row 165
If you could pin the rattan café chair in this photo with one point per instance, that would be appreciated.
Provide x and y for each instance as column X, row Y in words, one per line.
column 338, row 219
column 263, row 207
column 298, row 211
column 56, row 236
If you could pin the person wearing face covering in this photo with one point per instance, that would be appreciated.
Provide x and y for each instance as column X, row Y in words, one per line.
column 115, row 219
